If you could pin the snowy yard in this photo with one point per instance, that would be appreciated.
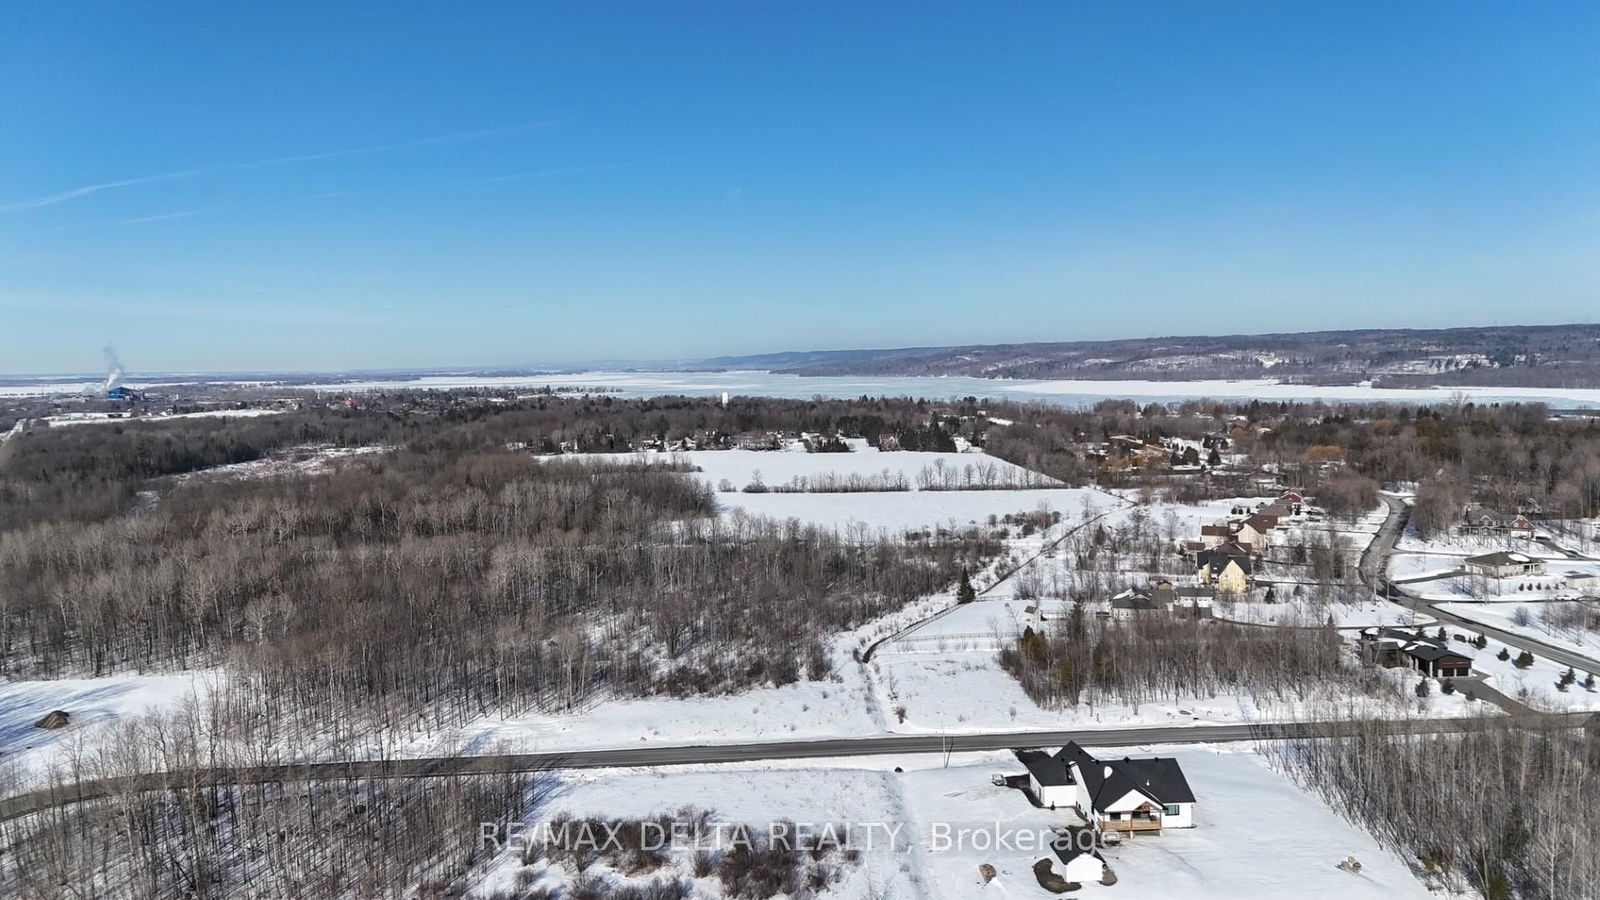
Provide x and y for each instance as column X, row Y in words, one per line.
column 1535, row 685
column 1307, row 614
column 932, row 826
column 967, row 692
column 1256, row 836
column 1539, row 625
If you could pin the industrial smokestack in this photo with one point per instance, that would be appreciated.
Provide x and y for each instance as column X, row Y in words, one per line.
column 113, row 367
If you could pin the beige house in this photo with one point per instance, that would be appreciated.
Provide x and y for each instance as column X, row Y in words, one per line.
column 1504, row 564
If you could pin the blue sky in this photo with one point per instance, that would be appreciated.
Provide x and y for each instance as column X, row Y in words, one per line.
column 309, row 185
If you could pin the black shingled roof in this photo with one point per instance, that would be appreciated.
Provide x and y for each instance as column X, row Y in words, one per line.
column 1108, row 780
column 1049, row 769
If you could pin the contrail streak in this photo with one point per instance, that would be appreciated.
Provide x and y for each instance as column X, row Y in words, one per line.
column 88, row 189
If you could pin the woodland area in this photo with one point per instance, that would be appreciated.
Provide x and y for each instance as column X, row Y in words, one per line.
column 1080, row 661
column 1507, row 457
column 468, row 569
column 1506, row 811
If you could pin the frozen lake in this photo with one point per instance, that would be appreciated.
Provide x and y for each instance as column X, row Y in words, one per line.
column 767, row 384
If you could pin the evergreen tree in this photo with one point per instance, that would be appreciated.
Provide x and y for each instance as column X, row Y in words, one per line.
column 965, row 592
column 1448, row 686
column 1504, row 654
column 1524, row 660
column 1422, row 687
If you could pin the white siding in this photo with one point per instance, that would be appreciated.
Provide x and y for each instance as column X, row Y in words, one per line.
column 1184, row 818
column 1085, row 868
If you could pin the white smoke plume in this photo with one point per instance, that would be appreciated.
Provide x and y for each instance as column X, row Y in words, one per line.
column 113, row 366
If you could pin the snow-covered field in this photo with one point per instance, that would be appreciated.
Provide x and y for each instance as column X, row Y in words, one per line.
column 965, row 691
column 890, row 512
column 93, row 705
column 710, row 384
column 1459, row 545
column 1302, row 613
column 101, row 418
column 1257, row 835
column 781, row 467
column 806, row 710
column 1535, row 685
column 899, row 511
column 1504, row 617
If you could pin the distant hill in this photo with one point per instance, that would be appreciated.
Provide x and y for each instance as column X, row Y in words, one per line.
column 1522, row 355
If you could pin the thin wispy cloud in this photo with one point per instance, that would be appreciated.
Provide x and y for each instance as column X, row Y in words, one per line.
column 329, row 195
column 163, row 217
column 573, row 170
column 91, row 189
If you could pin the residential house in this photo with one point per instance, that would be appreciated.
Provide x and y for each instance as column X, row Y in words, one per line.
column 1124, row 795
column 1193, row 601
column 1161, row 597
column 1587, row 583
column 1228, row 568
column 1135, row 601
column 1050, row 779
column 1503, row 564
column 1486, row 520
column 1214, row 534
column 1279, row 511
column 1397, row 647
column 1254, row 530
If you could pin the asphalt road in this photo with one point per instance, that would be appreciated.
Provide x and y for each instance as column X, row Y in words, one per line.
column 1375, row 559
column 37, row 801
column 1374, row 566
column 1537, row 648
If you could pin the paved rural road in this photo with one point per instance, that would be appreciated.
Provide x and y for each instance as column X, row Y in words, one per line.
column 37, row 801
column 1511, row 639
column 1374, row 568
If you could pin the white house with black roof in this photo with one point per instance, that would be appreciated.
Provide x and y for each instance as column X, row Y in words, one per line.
column 1125, row 795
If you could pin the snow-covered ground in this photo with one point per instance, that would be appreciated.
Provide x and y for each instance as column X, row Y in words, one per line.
column 923, row 832
column 92, row 704
column 1068, row 392
column 102, row 418
column 806, row 710
column 1535, row 685
column 1459, row 545
column 877, row 513
column 1303, row 613
column 309, row 460
column 896, row 512
column 780, row 467
column 868, row 798
column 1504, row 617
column 965, row 690
column 1256, row 835
column 1528, row 589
